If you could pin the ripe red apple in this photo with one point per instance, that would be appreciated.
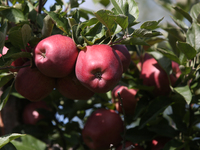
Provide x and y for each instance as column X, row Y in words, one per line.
column 4, row 51
column 128, row 98
column 55, row 56
column 18, row 62
column 124, row 55
column 71, row 88
column 153, row 75
column 32, row 84
column 30, row 113
column 99, row 68
column 103, row 127
column 130, row 144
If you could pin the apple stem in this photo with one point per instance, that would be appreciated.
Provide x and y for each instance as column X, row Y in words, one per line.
column 14, row 67
column 124, row 135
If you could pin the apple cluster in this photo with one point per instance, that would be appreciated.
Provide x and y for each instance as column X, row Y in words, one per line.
column 76, row 74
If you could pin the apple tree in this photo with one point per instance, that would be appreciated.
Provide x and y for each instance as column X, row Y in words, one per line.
column 75, row 79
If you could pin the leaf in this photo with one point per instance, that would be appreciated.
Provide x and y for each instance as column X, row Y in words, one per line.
column 133, row 41
column 194, row 12
column 187, row 49
column 3, row 30
column 26, row 34
column 9, row 146
column 4, row 78
column 121, row 20
column 145, row 33
column 13, row 15
column 185, row 93
column 7, row 138
column 29, row 142
column 193, row 36
column 61, row 22
column 136, row 135
column 156, row 107
column 169, row 54
column 180, row 23
column 128, row 8
column 47, row 26
column 103, row 2
column 177, row 33
column 184, row 13
column 151, row 25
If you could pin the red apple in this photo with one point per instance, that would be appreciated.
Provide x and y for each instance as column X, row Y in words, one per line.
column 130, row 144
column 55, row 56
column 4, row 51
column 71, row 88
column 128, row 98
column 124, row 55
column 18, row 62
column 30, row 113
column 153, row 75
column 32, row 84
column 99, row 68
column 103, row 127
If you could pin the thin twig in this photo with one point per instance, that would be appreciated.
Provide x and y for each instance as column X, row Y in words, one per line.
column 14, row 67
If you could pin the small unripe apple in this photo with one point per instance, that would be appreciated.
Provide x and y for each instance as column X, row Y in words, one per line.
column 124, row 56
column 128, row 99
column 31, row 115
column 99, row 68
column 103, row 128
column 154, row 75
column 131, row 145
column 71, row 88
column 32, row 84
column 55, row 56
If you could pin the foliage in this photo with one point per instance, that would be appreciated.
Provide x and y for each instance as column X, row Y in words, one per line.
column 25, row 24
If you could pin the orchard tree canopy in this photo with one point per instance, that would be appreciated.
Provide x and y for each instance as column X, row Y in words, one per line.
column 76, row 79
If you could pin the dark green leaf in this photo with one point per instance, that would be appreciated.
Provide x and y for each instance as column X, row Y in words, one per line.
column 26, row 34
column 137, row 135
column 184, row 13
column 133, row 41
column 185, row 93
column 61, row 22
column 121, row 20
column 103, row 2
column 187, row 49
column 177, row 33
column 180, row 23
column 145, row 33
column 172, row 145
column 4, row 78
column 156, row 107
column 150, row 25
column 192, row 37
column 3, row 30
column 7, row 138
column 169, row 54
column 9, row 146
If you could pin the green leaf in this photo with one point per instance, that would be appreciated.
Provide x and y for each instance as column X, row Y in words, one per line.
column 151, row 25
column 29, row 142
column 136, row 135
column 3, row 30
column 13, row 15
column 103, row 2
column 47, row 26
column 194, row 12
column 173, row 145
column 26, row 34
column 185, row 93
column 169, row 54
column 121, row 20
column 7, row 138
column 61, row 22
column 145, row 33
column 89, row 23
column 9, row 146
column 187, row 49
column 133, row 41
column 180, row 23
column 177, row 33
column 5, row 96
column 128, row 8
column 4, row 78
column 193, row 37
column 184, row 13
column 156, row 107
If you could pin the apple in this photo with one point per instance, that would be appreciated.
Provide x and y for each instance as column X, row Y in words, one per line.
column 71, row 88
column 128, row 98
column 4, row 51
column 153, row 75
column 18, row 62
column 124, row 56
column 103, row 128
column 32, row 84
column 55, row 56
column 131, row 145
column 98, row 68
column 31, row 115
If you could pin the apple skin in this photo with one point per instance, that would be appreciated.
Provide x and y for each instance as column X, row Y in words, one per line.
column 31, row 115
column 124, row 56
column 18, row 62
column 71, row 88
column 55, row 56
column 128, row 99
column 103, row 127
column 4, row 51
column 98, row 68
column 159, row 143
column 32, row 84
column 128, row 144
column 153, row 75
